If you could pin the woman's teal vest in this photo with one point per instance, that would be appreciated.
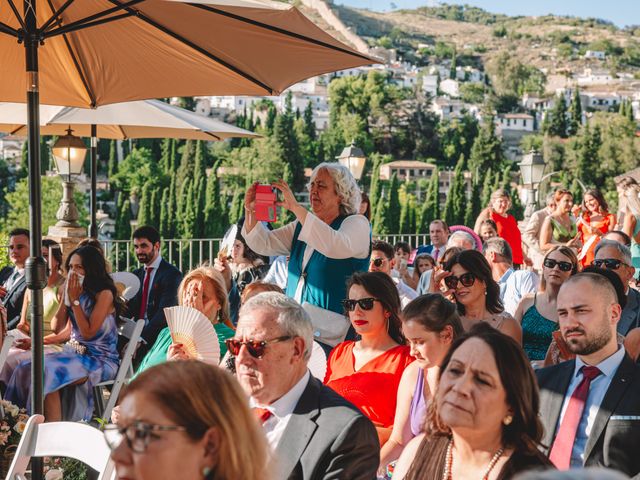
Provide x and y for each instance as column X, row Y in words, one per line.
column 325, row 278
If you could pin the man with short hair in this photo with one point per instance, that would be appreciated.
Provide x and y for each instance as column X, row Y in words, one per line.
column 438, row 234
column 615, row 256
column 159, row 281
column 618, row 236
column 589, row 406
column 514, row 284
column 531, row 234
column 382, row 261
column 12, row 280
column 313, row 432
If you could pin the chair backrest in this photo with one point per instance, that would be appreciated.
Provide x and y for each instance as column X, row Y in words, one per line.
column 62, row 439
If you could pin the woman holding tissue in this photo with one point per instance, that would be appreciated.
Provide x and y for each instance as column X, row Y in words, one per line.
column 326, row 245
column 88, row 311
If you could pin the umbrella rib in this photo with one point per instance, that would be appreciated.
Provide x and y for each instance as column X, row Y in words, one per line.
column 124, row 135
column 96, row 19
column 17, row 15
column 55, row 16
column 212, row 135
column 198, row 48
column 278, row 30
column 4, row 28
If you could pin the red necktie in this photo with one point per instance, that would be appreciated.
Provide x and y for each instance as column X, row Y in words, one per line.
column 261, row 414
column 563, row 445
column 436, row 251
column 145, row 292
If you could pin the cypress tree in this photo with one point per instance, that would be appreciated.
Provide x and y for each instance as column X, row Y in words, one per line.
column 164, row 224
column 374, row 189
column 431, row 205
column 456, row 198
column 236, row 205
column 405, row 216
column 200, row 205
column 187, row 163
column 380, row 223
column 213, row 204
column 487, row 188
column 113, row 159
column 172, row 210
column 125, row 220
column 154, row 213
column 287, row 139
column 270, row 121
column 309, row 124
column 486, row 151
column 558, row 120
column 189, row 210
column 393, row 218
column 413, row 220
column 146, row 206
column 575, row 114
column 285, row 216
column 474, row 206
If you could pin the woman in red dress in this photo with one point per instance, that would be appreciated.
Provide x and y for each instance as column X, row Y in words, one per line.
column 367, row 372
column 506, row 223
column 594, row 222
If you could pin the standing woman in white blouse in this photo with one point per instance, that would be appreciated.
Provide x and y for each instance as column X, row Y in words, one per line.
column 326, row 245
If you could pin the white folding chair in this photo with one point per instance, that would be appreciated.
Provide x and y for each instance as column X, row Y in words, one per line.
column 62, row 439
column 131, row 330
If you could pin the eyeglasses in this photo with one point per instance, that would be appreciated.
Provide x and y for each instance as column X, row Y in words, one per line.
column 563, row 266
column 466, row 279
column 137, row 435
column 255, row 348
column 365, row 303
column 377, row 262
column 608, row 263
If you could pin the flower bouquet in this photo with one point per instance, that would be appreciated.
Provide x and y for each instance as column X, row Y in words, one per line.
column 12, row 425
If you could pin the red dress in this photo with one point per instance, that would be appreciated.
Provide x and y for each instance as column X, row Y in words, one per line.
column 373, row 388
column 605, row 225
column 508, row 229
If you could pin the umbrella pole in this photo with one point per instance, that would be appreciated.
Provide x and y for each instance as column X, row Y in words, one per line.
column 93, row 227
column 35, row 267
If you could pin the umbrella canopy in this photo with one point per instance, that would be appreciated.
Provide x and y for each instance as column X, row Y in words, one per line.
column 120, row 121
column 96, row 52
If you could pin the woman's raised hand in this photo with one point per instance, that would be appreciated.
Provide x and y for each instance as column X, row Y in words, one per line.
column 74, row 289
column 176, row 352
column 288, row 198
column 250, row 197
column 193, row 296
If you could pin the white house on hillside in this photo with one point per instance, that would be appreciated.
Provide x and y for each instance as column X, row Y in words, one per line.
column 522, row 122
column 450, row 87
column 595, row 54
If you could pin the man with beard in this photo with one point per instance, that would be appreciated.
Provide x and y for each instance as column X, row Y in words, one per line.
column 589, row 406
column 159, row 281
column 313, row 432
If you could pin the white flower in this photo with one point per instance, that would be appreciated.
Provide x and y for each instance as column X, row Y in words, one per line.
column 19, row 427
column 54, row 474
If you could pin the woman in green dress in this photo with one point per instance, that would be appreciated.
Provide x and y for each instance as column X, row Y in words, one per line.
column 560, row 228
column 203, row 289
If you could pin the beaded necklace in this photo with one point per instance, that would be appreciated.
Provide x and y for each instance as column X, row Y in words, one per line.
column 447, row 474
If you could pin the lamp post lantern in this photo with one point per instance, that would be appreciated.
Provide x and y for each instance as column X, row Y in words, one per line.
column 69, row 152
column 354, row 159
column 532, row 170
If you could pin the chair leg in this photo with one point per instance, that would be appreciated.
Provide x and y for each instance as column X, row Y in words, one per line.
column 98, row 401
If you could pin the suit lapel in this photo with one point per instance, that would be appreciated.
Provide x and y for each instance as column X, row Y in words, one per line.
column 17, row 285
column 556, row 392
column 619, row 384
column 299, row 430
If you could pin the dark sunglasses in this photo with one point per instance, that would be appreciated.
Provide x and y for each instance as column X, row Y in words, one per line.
column 377, row 262
column 365, row 304
column 256, row 348
column 608, row 263
column 466, row 279
column 563, row 266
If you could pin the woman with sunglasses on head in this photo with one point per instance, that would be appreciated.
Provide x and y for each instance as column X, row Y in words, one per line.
column 537, row 313
column 367, row 372
column 477, row 294
column 189, row 421
column 430, row 324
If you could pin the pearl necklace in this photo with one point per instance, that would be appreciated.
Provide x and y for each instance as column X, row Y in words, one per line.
column 446, row 475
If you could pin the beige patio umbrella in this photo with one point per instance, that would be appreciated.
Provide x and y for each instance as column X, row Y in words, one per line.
column 120, row 121
column 88, row 53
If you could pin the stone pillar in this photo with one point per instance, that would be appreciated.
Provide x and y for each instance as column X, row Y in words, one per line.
column 67, row 232
column 67, row 237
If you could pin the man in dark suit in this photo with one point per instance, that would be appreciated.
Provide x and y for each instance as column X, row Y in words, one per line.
column 313, row 432
column 12, row 280
column 439, row 235
column 616, row 257
column 159, row 281
column 589, row 406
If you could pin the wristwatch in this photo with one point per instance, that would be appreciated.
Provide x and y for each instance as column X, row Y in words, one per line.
column 76, row 303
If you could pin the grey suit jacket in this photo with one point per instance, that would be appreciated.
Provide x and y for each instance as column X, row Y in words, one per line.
column 327, row 438
column 14, row 297
column 616, row 430
column 630, row 317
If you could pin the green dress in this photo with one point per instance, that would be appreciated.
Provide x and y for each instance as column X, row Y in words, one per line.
column 158, row 353
column 562, row 234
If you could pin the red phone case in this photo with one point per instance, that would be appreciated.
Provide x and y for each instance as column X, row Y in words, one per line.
column 265, row 203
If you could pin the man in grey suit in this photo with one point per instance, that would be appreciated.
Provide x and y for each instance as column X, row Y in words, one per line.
column 12, row 280
column 616, row 257
column 589, row 406
column 531, row 234
column 313, row 432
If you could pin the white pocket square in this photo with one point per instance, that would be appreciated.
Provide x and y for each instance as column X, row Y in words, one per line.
column 624, row 417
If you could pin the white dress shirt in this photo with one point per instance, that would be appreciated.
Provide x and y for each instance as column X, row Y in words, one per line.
column 282, row 410
column 405, row 291
column 597, row 390
column 514, row 284
column 346, row 242
column 155, row 264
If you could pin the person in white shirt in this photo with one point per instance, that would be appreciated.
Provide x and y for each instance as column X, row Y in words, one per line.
column 514, row 284
column 313, row 432
column 382, row 260
column 531, row 234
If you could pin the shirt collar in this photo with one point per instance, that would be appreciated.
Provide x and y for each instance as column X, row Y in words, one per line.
column 608, row 366
column 287, row 403
column 155, row 264
column 505, row 276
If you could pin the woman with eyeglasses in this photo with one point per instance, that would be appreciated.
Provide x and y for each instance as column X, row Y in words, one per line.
column 560, row 228
column 477, row 294
column 430, row 324
column 367, row 372
column 537, row 313
column 89, row 310
column 189, row 421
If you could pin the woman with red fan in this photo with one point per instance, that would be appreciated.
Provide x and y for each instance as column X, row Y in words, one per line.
column 202, row 289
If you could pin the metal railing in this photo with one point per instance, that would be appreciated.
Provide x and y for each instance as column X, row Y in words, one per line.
column 189, row 253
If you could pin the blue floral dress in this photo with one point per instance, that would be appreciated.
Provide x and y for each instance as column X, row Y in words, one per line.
column 62, row 369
